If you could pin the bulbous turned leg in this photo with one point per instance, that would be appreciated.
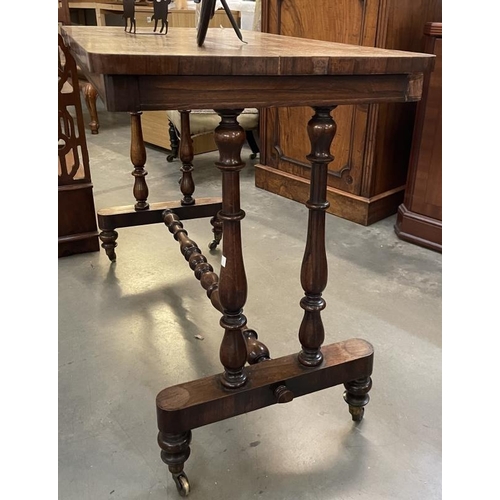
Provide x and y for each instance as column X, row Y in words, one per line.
column 174, row 452
column 217, row 230
column 314, row 271
column 90, row 94
column 186, row 154
column 108, row 239
column 356, row 396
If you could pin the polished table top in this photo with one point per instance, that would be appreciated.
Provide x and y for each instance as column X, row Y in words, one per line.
column 148, row 71
column 110, row 50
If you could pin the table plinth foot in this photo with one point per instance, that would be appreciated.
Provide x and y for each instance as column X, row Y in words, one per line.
column 112, row 218
column 109, row 219
column 356, row 396
column 184, row 407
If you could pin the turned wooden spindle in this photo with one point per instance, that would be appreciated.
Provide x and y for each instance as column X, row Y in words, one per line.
column 138, row 158
column 229, row 137
column 186, row 154
column 314, row 272
column 203, row 271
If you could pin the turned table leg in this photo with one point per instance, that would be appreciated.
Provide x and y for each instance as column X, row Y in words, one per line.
column 140, row 190
column 186, row 155
column 265, row 381
column 314, row 272
column 231, row 287
column 138, row 158
column 90, row 94
column 229, row 137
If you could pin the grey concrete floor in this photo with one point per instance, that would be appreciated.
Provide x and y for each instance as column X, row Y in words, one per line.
column 127, row 330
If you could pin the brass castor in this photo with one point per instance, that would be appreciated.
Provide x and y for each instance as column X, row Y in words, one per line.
column 213, row 245
column 356, row 396
column 182, row 483
column 357, row 413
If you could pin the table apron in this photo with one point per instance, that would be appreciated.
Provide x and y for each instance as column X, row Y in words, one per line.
column 159, row 92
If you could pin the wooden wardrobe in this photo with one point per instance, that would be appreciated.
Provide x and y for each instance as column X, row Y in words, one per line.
column 367, row 178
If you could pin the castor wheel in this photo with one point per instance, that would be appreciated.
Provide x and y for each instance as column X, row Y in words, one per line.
column 356, row 396
column 213, row 245
column 171, row 158
column 357, row 413
column 182, row 483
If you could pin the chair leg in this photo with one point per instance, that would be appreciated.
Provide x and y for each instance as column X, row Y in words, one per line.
column 174, row 142
column 90, row 94
column 252, row 143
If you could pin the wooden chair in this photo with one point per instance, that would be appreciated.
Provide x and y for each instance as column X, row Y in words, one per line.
column 88, row 90
column 77, row 225
column 204, row 121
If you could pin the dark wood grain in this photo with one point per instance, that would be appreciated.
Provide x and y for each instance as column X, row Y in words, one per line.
column 110, row 218
column 314, row 271
column 204, row 401
column 134, row 74
column 230, row 137
column 186, row 154
column 111, row 51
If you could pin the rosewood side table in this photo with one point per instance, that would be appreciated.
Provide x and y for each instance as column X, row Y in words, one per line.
column 137, row 73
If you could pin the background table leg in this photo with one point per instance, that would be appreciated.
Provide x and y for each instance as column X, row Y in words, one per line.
column 138, row 158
